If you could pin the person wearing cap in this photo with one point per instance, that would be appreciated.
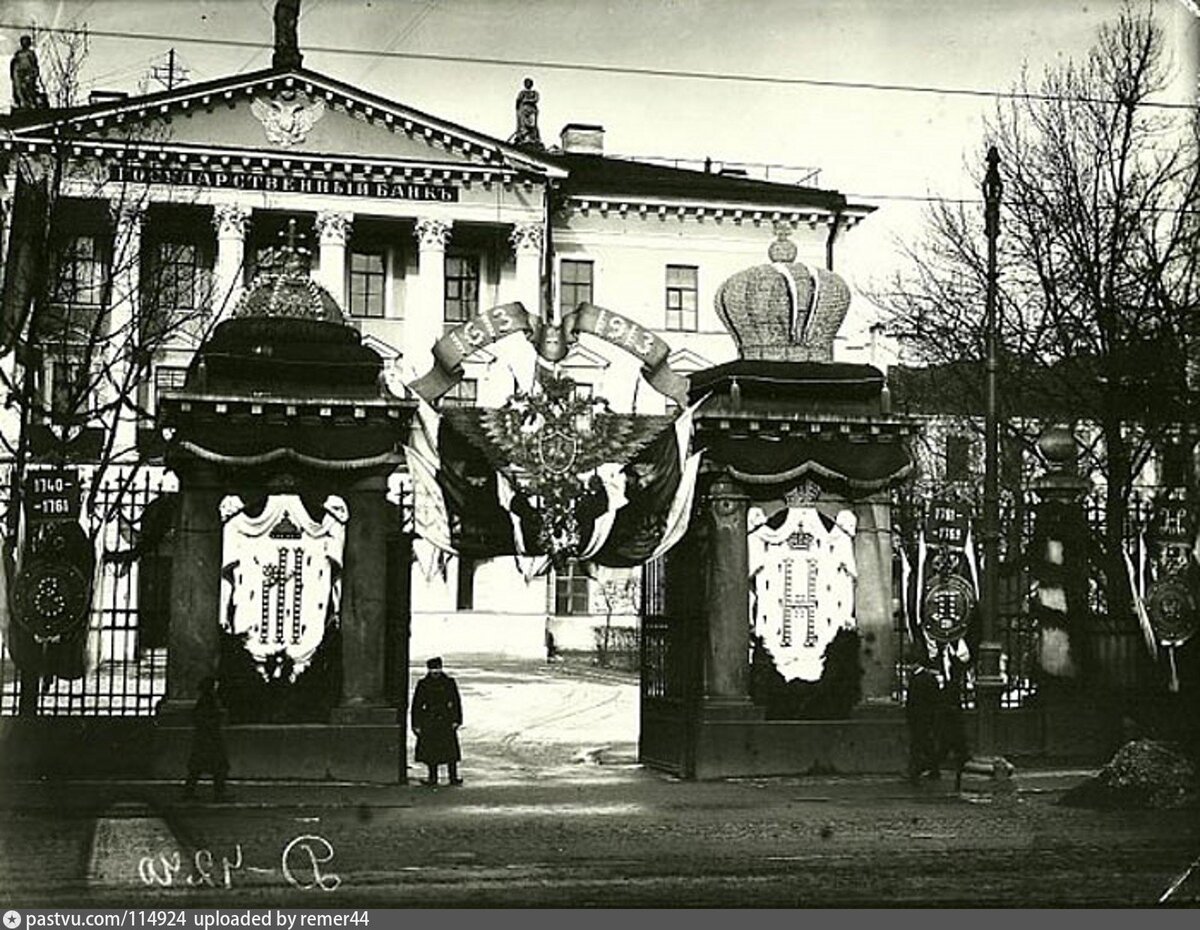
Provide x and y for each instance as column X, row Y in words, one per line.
column 436, row 717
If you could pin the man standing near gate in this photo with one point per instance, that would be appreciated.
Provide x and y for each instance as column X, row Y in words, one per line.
column 436, row 717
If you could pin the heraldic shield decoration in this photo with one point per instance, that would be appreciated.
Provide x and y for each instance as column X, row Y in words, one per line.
column 281, row 580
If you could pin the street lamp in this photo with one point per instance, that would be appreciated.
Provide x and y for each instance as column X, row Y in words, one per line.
column 988, row 681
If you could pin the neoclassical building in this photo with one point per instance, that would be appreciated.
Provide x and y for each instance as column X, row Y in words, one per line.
column 171, row 203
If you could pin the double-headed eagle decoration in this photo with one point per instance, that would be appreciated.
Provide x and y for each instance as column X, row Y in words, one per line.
column 552, row 444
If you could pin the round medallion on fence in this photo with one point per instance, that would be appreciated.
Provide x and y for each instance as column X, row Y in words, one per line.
column 52, row 599
column 946, row 608
column 1172, row 609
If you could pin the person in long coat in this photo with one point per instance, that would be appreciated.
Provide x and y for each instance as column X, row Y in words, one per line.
column 436, row 717
column 208, row 755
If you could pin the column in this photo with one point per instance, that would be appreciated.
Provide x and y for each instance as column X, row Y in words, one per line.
column 873, row 596
column 426, row 299
column 230, row 221
column 727, row 602
column 527, row 240
column 123, row 339
column 194, row 646
column 333, row 230
column 364, row 605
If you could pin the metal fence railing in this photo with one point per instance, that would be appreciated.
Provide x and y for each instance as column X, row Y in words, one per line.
column 125, row 667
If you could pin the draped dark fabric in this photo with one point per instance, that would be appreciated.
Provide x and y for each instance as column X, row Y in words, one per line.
column 863, row 466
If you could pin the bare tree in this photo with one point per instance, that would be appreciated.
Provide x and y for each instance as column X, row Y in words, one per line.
column 62, row 54
column 101, row 296
column 619, row 590
column 1098, row 264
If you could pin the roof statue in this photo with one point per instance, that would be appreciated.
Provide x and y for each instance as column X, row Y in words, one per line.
column 287, row 44
column 783, row 311
column 527, row 117
column 23, row 69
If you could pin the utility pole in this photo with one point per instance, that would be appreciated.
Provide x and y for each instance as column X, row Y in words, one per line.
column 989, row 683
column 171, row 73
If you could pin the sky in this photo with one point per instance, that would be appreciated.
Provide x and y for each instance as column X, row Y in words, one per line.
column 885, row 147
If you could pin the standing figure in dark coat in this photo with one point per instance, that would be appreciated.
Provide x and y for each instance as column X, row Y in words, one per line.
column 936, row 731
column 436, row 717
column 208, row 746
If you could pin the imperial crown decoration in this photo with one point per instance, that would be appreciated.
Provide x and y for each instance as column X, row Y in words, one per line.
column 784, row 311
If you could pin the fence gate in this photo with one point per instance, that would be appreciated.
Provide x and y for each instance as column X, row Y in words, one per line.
column 671, row 663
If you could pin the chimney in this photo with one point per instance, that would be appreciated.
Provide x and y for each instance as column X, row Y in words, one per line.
column 582, row 139
column 107, row 96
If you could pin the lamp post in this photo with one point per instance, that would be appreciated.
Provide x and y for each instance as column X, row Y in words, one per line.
column 988, row 681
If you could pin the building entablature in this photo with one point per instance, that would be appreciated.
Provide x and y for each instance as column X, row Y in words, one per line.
column 716, row 211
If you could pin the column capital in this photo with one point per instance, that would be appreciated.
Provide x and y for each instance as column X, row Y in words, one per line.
column 432, row 233
column 333, row 226
column 527, row 237
column 231, row 220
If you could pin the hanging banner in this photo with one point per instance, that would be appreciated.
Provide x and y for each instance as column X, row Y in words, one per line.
column 1170, row 600
column 52, row 598
column 552, row 342
column 947, row 589
column 281, row 580
column 625, row 334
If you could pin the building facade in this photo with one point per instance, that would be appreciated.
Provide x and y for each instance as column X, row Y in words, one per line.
column 163, row 209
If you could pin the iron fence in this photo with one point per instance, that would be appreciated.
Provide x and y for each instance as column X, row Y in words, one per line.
column 126, row 650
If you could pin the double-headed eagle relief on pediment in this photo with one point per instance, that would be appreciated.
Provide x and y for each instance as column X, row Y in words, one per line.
column 288, row 116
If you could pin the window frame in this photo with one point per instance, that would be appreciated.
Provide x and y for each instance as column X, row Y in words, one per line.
column 463, row 393
column 165, row 286
column 471, row 261
column 576, row 288
column 677, row 318
column 369, row 276
column 53, row 390
column 67, row 266
column 571, row 590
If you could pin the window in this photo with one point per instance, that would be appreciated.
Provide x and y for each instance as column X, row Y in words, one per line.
column 681, row 298
column 571, row 592
column 958, row 458
column 368, row 278
column 576, row 285
column 150, row 390
column 462, row 288
column 168, row 378
column 463, row 394
column 70, row 392
column 179, row 276
column 80, row 279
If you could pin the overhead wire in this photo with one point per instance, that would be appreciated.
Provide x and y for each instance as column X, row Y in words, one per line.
column 591, row 67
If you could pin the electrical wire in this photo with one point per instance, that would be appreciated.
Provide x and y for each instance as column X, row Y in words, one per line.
column 778, row 80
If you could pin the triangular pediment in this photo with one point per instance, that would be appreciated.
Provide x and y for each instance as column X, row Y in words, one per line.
column 685, row 360
column 298, row 115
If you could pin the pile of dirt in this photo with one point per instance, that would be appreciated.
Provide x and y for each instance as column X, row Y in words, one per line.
column 1143, row 774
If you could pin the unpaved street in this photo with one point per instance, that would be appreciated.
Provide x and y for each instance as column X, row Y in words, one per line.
column 556, row 813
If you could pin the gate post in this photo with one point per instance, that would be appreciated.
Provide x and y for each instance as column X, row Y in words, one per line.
column 193, row 645
column 726, row 608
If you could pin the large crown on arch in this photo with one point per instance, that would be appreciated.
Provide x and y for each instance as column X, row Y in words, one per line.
column 784, row 311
